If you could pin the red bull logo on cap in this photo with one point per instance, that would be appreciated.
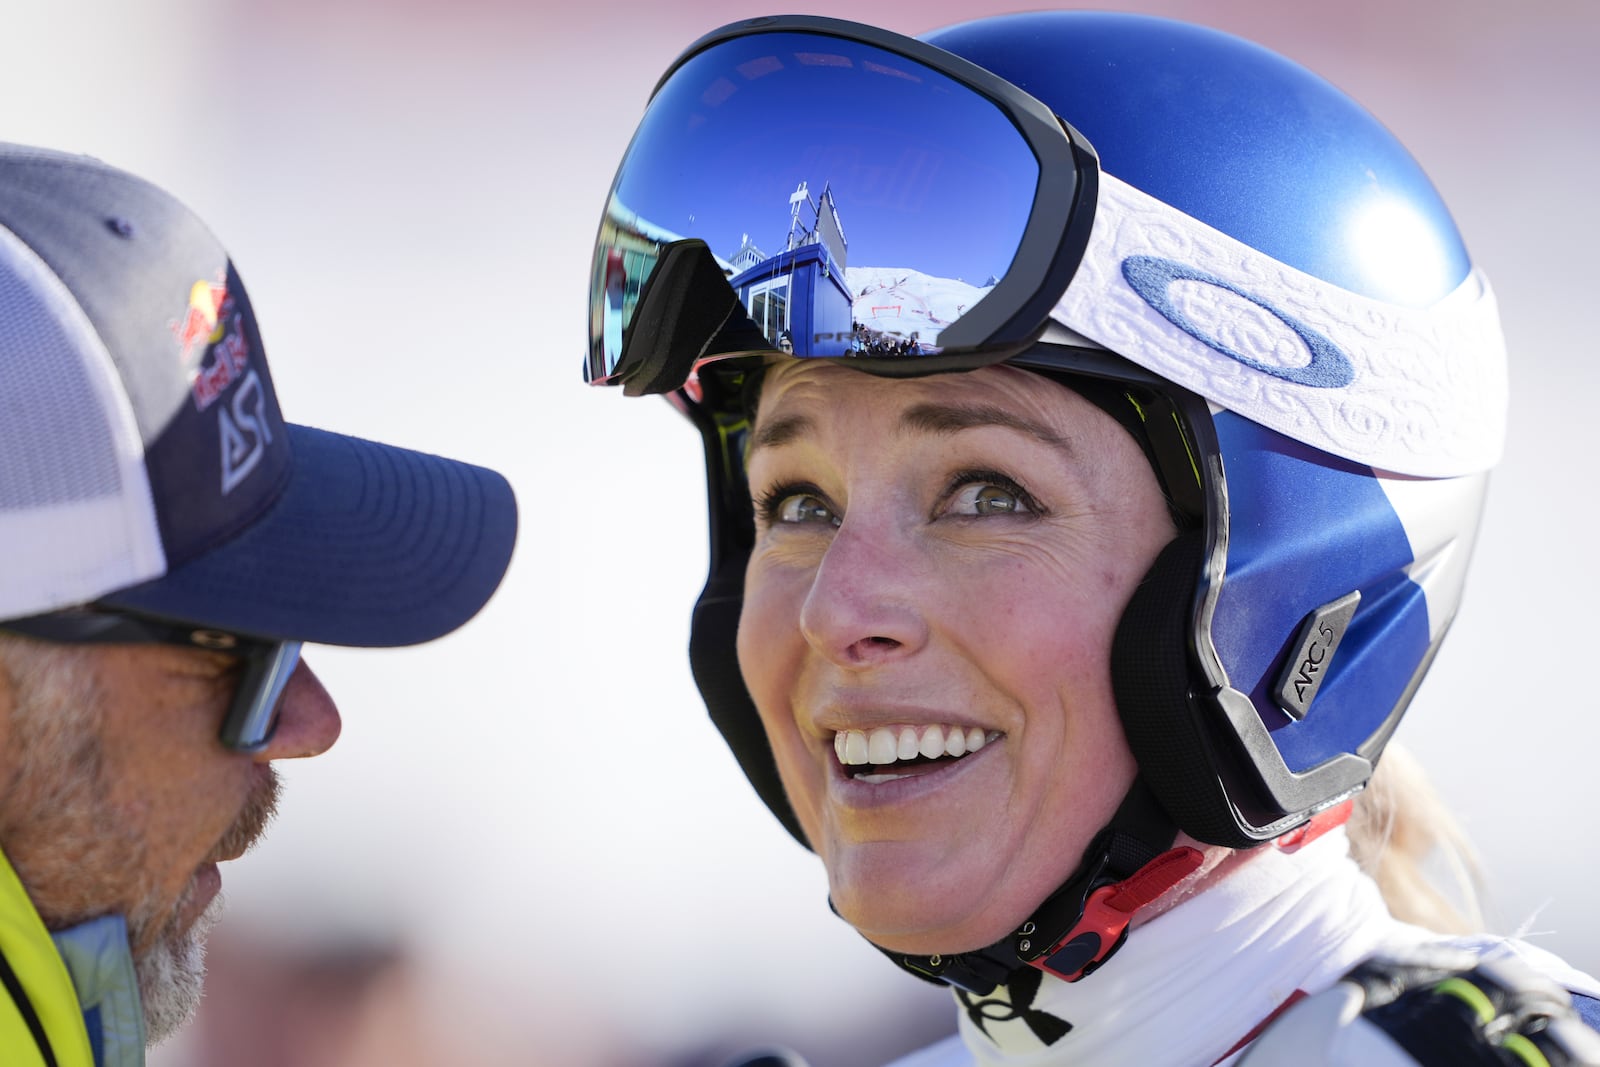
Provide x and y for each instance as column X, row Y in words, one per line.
column 211, row 320
column 214, row 325
column 200, row 321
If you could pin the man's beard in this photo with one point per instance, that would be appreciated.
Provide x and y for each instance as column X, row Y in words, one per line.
column 172, row 970
column 172, row 975
column 58, row 798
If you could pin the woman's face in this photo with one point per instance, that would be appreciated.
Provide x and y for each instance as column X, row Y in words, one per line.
column 941, row 558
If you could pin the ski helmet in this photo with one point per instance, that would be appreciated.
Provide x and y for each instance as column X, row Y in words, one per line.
column 1209, row 241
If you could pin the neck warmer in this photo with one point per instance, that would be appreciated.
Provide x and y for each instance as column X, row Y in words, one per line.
column 1193, row 984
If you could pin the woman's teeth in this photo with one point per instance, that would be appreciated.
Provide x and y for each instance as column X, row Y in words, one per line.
column 890, row 744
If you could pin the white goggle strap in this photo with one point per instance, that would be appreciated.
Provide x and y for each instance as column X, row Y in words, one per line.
column 1407, row 390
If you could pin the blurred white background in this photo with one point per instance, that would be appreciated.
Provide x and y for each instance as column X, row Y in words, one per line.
column 530, row 846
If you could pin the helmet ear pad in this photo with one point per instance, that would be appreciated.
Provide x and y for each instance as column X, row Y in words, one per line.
column 713, row 660
column 1152, row 678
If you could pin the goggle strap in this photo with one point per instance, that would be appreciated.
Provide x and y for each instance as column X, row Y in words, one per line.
column 1417, row 391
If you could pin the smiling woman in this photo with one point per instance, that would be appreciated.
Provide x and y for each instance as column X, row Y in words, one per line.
column 1069, row 628
column 936, row 559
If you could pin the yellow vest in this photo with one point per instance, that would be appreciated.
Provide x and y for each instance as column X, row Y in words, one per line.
column 37, row 967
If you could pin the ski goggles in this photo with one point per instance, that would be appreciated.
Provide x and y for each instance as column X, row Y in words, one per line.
column 265, row 666
column 820, row 188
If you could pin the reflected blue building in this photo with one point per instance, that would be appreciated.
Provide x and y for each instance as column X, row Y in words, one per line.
column 800, row 290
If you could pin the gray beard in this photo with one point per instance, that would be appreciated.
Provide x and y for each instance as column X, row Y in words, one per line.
column 171, row 976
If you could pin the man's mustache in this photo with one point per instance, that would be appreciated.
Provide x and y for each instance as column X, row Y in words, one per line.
column 258, row 811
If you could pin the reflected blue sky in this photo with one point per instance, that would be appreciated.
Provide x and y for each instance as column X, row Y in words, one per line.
column 926, row 174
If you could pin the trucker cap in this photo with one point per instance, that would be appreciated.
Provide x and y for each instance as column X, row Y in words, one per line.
column 145, row 465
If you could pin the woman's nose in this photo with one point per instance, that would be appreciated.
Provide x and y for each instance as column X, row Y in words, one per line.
column 864, row 604
column 308, row 720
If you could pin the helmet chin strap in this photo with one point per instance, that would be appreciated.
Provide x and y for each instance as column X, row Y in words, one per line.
column 1127, row 866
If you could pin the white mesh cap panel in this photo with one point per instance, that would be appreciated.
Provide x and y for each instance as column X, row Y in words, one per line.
column 76, row 516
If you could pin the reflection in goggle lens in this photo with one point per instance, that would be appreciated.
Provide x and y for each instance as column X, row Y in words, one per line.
column 856, row 201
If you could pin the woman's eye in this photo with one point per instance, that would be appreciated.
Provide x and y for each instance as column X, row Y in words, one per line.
column 988, row 498
column 804, row 508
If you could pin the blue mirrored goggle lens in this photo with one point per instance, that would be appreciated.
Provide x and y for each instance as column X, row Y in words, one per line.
column 857, row 201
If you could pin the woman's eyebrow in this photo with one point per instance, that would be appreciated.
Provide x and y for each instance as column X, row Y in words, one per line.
column 952, row 418
column 780, row 431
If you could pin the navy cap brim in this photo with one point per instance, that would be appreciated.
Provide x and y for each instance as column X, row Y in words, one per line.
column 368, row 545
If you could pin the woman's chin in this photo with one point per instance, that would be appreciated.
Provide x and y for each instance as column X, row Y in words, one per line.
column 924, row 927
column 942, row 941
column 923, row 897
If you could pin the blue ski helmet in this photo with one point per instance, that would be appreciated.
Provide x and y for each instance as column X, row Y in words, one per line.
column 1207, row 240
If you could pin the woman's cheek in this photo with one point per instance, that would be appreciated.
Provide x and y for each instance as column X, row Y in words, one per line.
column 771, row 657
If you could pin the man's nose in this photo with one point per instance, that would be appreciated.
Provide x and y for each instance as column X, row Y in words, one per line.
column 308, row 720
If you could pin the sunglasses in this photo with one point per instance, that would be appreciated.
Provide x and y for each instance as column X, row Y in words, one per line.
column 266, row 665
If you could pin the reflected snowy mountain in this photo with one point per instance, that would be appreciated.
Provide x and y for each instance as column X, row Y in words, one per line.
column 905, row 303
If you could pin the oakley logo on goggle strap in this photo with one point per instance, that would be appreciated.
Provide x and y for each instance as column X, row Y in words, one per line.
column 1152, row 278
column 1409, row 390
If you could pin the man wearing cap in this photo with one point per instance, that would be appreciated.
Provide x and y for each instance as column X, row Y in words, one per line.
column 169, row 542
